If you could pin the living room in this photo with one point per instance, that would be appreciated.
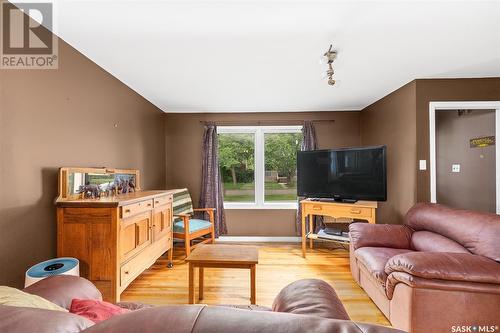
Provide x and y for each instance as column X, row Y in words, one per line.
column 211, row 104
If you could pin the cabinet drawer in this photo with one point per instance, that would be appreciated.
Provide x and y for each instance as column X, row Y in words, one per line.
column 131, row 270
column 136, row 208
column 340, row 211
column 353, row 212
column 161, row 201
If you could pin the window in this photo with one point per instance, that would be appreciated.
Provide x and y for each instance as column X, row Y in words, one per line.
column 237, row 165
column 258, row 165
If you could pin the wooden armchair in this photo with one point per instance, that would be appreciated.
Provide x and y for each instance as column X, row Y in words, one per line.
column 188, row 228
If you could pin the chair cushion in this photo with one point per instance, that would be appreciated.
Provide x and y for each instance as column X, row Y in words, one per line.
column 182, row 203
column 375, row 258
column 194, row 225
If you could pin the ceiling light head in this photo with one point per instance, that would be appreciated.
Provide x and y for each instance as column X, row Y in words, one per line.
column 330, row 56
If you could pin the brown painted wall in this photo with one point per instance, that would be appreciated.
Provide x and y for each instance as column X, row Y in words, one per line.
column 391, row 121
column 184, row 134
column 64, row 117
column 401, row 120
column 474, row 186
column 445, row 90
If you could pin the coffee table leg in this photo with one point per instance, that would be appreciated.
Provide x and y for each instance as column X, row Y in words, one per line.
column 200, row 284
column 252, row 284
column 191, row 284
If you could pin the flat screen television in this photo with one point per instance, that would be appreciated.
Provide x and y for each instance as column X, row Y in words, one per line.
column 348, row 174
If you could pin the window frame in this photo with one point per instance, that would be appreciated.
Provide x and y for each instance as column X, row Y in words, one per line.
column 259, row 167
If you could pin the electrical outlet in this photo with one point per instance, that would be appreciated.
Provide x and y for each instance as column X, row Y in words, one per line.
column 422, row 164
column 455, row 168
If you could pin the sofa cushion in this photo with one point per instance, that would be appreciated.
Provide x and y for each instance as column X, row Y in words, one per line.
column 194, row 225
column 432, row 242
column 15, row 319
column 374, row 260
column 476, row 231
column 15, row 297
column 379, row 235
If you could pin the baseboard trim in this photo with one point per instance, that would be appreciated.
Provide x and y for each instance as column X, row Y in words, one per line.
column 258, row 239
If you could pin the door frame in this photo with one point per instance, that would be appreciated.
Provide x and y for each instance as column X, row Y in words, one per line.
column 452, row 106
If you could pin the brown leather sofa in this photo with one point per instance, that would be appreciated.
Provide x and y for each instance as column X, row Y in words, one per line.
column 303, row 306
column 438, row 271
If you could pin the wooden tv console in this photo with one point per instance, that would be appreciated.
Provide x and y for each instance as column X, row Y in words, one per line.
column 359, row 210
column 115, row 237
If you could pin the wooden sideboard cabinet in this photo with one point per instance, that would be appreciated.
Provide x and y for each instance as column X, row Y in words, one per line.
column 115, row 237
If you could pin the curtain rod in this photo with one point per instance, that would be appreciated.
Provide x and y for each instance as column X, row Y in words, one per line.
column 264, row 122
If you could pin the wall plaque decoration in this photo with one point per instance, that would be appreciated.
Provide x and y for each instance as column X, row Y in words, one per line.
column 483, row 141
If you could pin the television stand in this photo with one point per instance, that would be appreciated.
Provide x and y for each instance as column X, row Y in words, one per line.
column 310, row 207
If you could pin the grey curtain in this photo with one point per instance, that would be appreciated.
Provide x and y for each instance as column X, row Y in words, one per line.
column 211, row 185
column 309, row 142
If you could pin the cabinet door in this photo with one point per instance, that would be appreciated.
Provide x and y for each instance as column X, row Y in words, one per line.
column 162, row 222
column 142, row 233
column 135, row 234
column 127, row 239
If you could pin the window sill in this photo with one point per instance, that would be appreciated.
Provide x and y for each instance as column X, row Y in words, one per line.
column 252, row 205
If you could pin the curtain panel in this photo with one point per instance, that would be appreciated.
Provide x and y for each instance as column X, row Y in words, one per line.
column 211, row 195
column 309, row 142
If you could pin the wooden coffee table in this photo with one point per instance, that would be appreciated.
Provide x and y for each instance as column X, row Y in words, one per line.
column 222, row 256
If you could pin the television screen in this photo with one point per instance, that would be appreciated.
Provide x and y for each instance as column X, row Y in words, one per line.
column 343, row 174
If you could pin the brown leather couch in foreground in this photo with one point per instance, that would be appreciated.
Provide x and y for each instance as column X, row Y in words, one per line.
column 437, row 271
column 303, row 306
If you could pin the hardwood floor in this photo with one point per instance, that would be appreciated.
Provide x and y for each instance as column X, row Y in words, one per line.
column 279, row 265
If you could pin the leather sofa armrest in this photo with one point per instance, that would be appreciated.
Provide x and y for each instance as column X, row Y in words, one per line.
column 62, row 289
column 379, row 235
column 446, row 266
column 312, row 297
column 421, row 283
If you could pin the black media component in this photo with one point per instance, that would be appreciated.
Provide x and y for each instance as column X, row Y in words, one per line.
column 346, row 175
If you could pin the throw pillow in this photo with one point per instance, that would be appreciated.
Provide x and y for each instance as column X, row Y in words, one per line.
column 95, row 310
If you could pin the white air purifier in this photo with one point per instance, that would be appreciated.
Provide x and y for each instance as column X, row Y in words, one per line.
column 57, row 266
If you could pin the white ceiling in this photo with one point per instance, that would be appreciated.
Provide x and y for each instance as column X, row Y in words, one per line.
column 263, row 55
